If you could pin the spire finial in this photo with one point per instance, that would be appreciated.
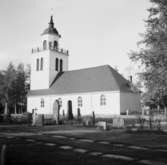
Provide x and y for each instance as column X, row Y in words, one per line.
column 51, row 23
column 51, row 19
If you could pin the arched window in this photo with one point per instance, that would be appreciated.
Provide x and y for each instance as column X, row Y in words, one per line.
column 42, row 103
column 80, row 102
column 50, row 45
column 61, row 65
column 60, row 102
column 55, row 44
column 37, row 64
column 41, row 64
column 44, row 45
column 102, row 100
column 56, row 64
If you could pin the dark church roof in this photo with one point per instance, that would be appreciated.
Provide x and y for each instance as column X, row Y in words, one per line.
column 51, row 29
column 101, row 78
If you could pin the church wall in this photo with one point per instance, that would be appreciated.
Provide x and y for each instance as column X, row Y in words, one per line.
column 130, row 102
column 35, row 103
column 36, row 76
column 91, row 102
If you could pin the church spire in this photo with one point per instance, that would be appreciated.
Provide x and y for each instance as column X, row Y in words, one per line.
column 51, row 23
column 51, row 29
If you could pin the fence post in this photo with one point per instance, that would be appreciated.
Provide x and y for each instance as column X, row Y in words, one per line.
column 93, row 118
column 3, row 155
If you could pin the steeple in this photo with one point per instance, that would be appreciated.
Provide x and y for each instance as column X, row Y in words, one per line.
column 51, row 29
column 51, row 23
column 49, row 59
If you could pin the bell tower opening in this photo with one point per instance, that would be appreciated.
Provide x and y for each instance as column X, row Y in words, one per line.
column 55, row 44
column 44, row 45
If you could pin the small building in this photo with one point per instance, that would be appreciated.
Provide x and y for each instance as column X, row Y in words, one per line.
column 100, row 89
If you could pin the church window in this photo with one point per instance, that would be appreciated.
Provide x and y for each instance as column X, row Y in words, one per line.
column 61, row 65
column 102, row 100
column 50, row 45
column 80, row 102
column 42, row 103
column 37, row 64
column 55, row 44
column 60, row 102
column 41, row 65
column 56, row 64
column 44, row 45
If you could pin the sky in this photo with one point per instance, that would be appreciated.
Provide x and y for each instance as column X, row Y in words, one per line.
column 96, row 32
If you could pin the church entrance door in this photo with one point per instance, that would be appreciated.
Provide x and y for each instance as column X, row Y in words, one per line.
column 56, row 111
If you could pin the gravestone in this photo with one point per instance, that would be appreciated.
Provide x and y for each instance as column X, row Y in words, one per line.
column 118, row 122
column 56, row 109
column 38, row 120
column 102, row 124
column 78, row 113
column 69, row 111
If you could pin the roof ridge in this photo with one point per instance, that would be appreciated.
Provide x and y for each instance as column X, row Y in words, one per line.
column 115, row 79
column 87, row 68
column 120, row 76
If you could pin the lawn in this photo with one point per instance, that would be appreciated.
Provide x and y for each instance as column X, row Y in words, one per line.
column 33, row 145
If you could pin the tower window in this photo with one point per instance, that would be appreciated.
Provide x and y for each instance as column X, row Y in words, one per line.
column 56, row 64
column 50, row 45
column 80, row 103
column 42, row 103
column 102, row 100
column 37, row 64
column 41, row 65
column 61, row 65
column 55, row 44
column 44, row 45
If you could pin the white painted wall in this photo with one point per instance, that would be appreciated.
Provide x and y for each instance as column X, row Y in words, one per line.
column 35, row 103
column 91, row 102
column 129, row 101
column 36, row 76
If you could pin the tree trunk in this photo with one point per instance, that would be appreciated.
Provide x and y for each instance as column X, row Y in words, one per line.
column 15, row 109
column 165, row 112
column 21, row 108
column 6, row 109
column 158, row 109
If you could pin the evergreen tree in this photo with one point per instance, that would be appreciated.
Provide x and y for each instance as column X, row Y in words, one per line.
column 13, row 88
column 7, row 78
column 153, row 54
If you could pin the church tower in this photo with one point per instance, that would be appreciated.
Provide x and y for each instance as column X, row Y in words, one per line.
column 48, row 60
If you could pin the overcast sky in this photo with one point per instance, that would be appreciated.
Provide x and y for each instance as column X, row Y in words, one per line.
column 96, row 32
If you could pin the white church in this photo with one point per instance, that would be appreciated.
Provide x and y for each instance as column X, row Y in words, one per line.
column 100, row 89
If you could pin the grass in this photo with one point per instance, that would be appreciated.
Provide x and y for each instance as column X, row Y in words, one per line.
column 19, row 151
